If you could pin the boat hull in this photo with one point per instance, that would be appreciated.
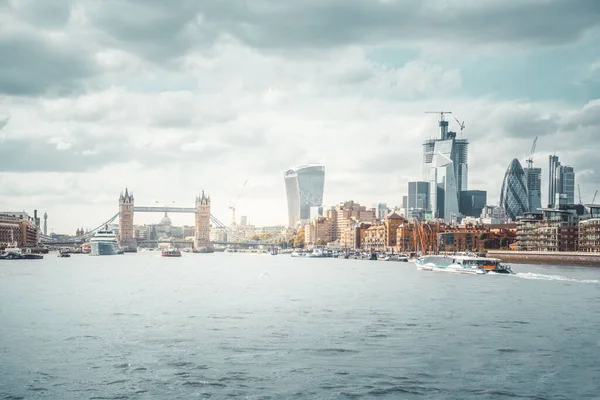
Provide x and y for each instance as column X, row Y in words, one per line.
column 103, row 249
column 451, row 269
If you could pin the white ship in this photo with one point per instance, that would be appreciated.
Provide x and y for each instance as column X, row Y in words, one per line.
column 104, row 243
column 462, row 264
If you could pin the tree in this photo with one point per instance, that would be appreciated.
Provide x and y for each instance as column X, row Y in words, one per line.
column 504, row 242
column 321, row 242
column 299, row 238
column 483, row 236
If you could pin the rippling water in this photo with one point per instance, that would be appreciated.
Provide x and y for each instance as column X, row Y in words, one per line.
column 246, row 326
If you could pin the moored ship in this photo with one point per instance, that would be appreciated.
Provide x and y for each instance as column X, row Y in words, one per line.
column 462, row 264
column 104, row 243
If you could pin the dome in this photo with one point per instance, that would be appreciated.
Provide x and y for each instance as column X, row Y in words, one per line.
column 513, row 196
column 165, row 220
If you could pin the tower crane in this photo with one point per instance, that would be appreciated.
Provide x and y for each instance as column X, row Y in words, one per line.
column 579, row 191
column 529, row 156
column 460, row 124
column 232, row 206
column 595, row 194
column 4, row 121
column 439, row 112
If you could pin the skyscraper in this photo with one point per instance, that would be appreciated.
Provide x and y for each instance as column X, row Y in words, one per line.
column 513, row 195
column 304, row 187
column 445, row 167
column 443, row 188
column 418, row 195
column 561, row 180
column 533, row 179
column 472, row 202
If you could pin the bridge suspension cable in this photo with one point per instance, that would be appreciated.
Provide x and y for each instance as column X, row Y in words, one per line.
column 93, row 231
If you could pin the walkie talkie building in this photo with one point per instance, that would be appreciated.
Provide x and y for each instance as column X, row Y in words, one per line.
column 304, row 187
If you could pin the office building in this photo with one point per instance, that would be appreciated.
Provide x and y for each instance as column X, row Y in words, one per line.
column 18, row 228
column 445, row 167
column 533, row 179
column 561, row 180
column 472, row 202
column 418, row 195
column 513, row 195
column 316, row 212
column 304, row 187
column 443, row 195
column 381, row 209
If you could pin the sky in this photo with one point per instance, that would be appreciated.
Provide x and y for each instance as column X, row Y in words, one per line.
column 172, row 98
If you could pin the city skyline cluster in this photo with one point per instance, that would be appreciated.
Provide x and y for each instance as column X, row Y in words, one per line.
column 164, row 106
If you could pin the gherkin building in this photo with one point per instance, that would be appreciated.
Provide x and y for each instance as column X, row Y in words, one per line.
column 513, row 197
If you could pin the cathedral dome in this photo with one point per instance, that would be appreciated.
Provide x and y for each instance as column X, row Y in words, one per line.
column 165, row 220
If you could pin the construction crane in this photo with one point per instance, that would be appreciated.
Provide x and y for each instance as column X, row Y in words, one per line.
column 4, row 121
column 529, row 157
column 443, row 123
column 595, row 194
column 439, row 112
column 232, row 206
column 579, row 191
column 460, row 124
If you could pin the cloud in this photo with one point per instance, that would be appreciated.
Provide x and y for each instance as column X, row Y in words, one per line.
column 161, row 31
column 43, row 14
column 34, row 64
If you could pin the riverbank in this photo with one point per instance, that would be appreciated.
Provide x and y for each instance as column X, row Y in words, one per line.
column 540, row 257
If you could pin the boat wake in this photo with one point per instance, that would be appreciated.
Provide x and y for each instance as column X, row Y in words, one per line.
column 543, row 277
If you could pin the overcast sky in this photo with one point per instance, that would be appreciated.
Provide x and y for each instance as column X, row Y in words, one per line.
column 175, row 97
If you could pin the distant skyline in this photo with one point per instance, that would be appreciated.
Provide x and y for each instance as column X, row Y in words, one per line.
column 193, row 96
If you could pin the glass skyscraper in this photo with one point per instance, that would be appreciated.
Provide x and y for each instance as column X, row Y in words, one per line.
column 513, row 196
column 533, row 178
column 304, row 187
column 445, row 166
column 418, row 195
column 561, row 180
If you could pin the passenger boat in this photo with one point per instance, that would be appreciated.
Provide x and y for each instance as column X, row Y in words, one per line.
column 462, row 264
column 104, row 243
column 170, row 252
column 13, row 252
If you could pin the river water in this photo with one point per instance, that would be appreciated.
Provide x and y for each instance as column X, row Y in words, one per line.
column 250, row 326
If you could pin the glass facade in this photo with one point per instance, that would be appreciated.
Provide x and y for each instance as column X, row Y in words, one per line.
column 418, row 195
column 304, row 188
column 561, row 180
column 533, row 178
column 445, row 166
column 472, row 202
column 513, row 196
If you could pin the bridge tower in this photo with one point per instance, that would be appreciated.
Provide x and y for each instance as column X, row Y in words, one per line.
column 202, row 230
column 126, row 238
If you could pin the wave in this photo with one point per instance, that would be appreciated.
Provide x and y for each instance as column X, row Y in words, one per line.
column 543, row 277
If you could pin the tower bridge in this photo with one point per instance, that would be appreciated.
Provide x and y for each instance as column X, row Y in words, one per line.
column 201, row 213
column 202, row 217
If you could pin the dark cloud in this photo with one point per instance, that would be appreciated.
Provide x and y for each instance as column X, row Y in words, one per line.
column 162, row 30
column 31, row 65
column 43, row 14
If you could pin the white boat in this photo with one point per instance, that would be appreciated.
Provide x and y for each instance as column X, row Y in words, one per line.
column 462, row 264
column 171, row 252
column 104, row 243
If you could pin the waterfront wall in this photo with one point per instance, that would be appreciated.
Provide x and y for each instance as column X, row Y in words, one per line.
column 539, row 257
